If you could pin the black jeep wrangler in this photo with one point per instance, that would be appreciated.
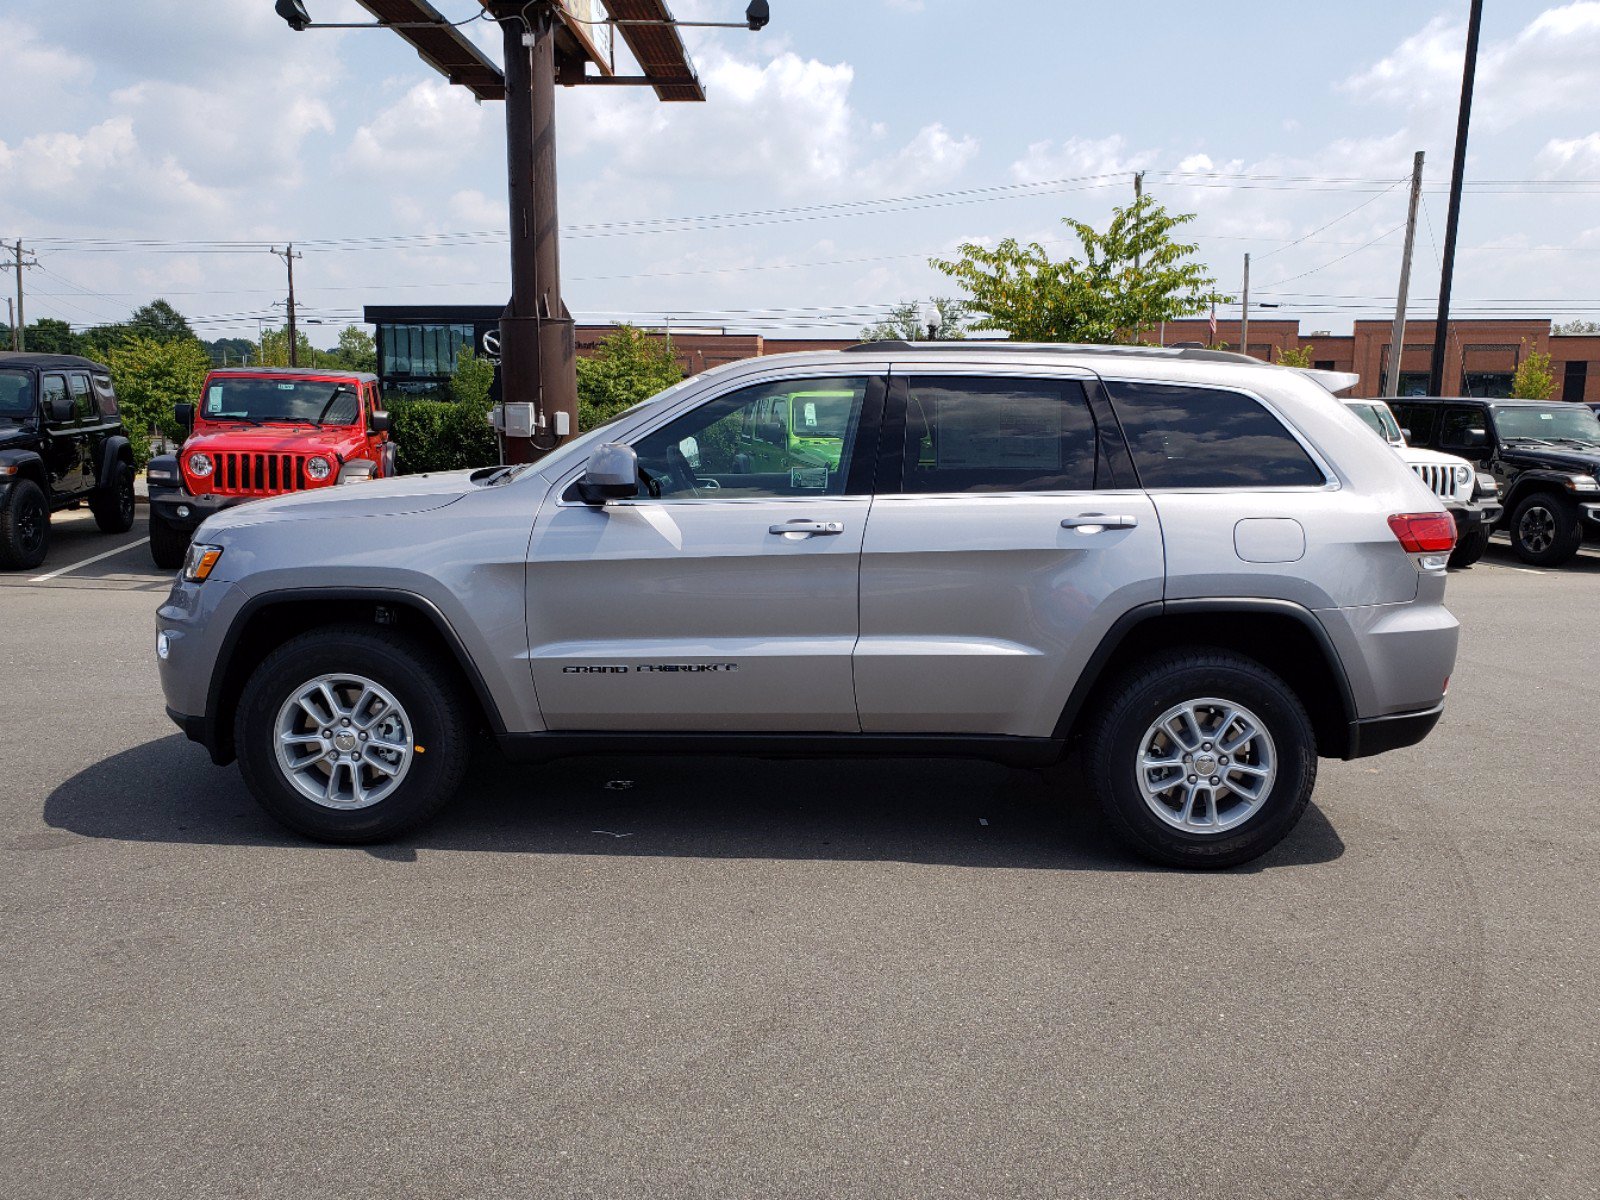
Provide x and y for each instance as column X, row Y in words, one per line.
column 1545, row 455
column 61, row 443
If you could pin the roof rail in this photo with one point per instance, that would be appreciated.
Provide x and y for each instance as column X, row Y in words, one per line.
column 986, row 345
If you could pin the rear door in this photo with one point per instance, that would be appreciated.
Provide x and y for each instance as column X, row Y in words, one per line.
column 725, row 597
column 1008, row 533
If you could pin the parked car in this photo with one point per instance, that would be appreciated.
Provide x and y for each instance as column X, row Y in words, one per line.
column 1471, row 496
column 1544, row 454
column 265, row 431
column 62, row 444
column 1191, row 563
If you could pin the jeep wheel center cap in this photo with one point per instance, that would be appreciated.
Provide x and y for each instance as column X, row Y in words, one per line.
column 1205, row 764
column 344, row 741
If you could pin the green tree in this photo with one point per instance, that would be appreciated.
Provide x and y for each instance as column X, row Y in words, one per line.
column 357, row 351
column 1571, row 327
column 50, row 336
column 627, row 366
column 230, row 352
column 160, row 322
column 905, row 322
column 272, row 350
column 150, row 377
column 1128, row 279
column 99, row 339
column 1534, row 380
column 1292, row 357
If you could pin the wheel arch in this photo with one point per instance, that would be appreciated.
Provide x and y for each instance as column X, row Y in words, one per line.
column 267, row 621
column 28, row 464
column 1284, row 637
column 116, row 449
column 1530, row 483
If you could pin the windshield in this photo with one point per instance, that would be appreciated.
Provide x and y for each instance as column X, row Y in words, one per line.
column 297, row 400
column 16, row 394
column 1382, row 421
column 1549, row 422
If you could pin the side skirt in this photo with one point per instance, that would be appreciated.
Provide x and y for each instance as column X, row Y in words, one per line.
column 1011, row 751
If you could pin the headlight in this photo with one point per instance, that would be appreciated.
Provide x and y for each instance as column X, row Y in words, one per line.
column 1582, row 483
column 318, row 468
column 200, row 562
column 1463, row 475
column 200, row 465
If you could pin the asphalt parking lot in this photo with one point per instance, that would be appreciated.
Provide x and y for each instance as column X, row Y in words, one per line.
column 792, row 979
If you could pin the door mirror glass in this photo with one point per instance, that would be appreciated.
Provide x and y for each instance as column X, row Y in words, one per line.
column 1475, row 437
column 183, row 414
column 612, row 473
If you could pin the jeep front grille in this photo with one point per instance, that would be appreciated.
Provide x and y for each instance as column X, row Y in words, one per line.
column 1439, row 478
column 258, row 474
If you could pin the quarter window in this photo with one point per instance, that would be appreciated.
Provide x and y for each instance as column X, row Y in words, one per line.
column 1189, row 437
column 794, row 438
column 997, row 435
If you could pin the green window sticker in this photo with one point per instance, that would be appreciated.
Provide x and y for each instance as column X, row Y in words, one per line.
column 214, row 398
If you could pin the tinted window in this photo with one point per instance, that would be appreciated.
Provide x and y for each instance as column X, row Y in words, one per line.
column 791, row 438
column 55, row 388
column 16, row 394
column 1458, row 422
column 1188, row 437
column 997, row 435
column 1419, row 419
column 82, row 404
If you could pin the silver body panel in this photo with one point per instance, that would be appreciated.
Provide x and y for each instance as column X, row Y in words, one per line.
column 970, row 614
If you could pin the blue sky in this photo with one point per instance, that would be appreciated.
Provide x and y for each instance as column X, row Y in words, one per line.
column 179, row 121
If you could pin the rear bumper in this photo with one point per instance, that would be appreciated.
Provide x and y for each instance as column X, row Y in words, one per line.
column 1378, row 735
column 182, row 511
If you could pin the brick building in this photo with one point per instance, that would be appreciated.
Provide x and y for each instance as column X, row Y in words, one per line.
column 417, row 348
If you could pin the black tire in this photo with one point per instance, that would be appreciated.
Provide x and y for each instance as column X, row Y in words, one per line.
column 1546, row 530
column 422, row 683
column 168, row 543
column 24, row 526
column 1139, row 697
column 1470, row 548
column 112, row 504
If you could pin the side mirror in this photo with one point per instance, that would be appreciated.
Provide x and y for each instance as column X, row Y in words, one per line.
column 59, row 409
column 612, row 473
column 1406, row 433
column 1475, row 437
column 380, row 422
column 183, row 414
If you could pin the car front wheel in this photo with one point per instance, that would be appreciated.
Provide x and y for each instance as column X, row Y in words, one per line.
column 1201, row 758
column 1546, row 530
column 24, row 526
column 168, row 543
column 350, row 734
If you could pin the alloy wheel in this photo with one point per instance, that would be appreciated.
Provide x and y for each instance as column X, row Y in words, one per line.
column 1537, row 529
column 30, row 525
column 1206, row 766
column 343, row 741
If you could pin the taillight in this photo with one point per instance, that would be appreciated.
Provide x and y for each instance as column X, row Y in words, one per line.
column 1424, row 533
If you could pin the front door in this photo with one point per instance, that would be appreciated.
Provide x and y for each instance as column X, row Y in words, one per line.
column 63, row 446
column 723, row 597
column 1007, row 535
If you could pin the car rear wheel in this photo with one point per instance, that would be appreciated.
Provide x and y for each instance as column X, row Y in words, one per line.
column 1546, row 530
column 350, row 734
column 24, row 526
column 1470, row 548
column 1201, row 758
column 112, row 504
column 168, row 543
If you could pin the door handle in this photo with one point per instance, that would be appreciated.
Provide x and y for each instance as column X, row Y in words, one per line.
column 808, row 528
column 1095, row 522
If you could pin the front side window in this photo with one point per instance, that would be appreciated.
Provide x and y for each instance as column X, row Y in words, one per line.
column 793, row 438
column 997, row 435
column 1194, row 437
column 16, row 394
column 1381, row 421
column 55, row 388
column 1462, row 428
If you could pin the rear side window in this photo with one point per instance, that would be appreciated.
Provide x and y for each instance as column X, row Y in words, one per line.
column 1419, row 419
column 997, row 435
column 104, row 396
column 82, row 405
column 1190, row 437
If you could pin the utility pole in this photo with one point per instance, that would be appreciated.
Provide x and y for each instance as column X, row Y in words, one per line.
column 1441, row 331
column 537, row 353
column 1397, row 333
column 1244, row 320
column 288, row 255
column 1138, row 195
column 18, row 319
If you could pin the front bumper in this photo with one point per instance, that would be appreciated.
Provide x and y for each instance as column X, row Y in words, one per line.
column 183, row 511
column 1591, row 514
column 1378, row 735
column 1474, row 516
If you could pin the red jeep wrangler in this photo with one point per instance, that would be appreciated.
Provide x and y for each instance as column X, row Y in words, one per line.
column 263, row 431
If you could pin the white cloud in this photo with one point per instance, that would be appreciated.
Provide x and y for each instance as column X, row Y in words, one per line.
column 432, row 127
column 1569, row 158
column 1076, row 157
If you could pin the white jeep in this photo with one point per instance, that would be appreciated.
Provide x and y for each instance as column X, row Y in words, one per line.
column 1472, row 497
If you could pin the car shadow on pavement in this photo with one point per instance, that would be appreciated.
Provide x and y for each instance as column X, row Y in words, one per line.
column 916, row 810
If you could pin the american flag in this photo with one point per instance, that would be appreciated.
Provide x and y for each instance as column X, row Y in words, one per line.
column 1212, row 323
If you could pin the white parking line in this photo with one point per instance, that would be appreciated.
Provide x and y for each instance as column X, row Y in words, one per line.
column 86, row 562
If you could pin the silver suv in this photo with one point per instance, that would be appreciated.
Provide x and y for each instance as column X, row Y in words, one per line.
column 1202, row 568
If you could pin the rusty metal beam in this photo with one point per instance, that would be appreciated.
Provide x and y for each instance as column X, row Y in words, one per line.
column 658, row 48
column 442, row 46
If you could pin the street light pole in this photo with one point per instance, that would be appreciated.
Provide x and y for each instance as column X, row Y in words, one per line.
column 1441, row 329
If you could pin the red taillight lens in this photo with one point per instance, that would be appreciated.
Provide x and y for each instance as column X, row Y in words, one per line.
column 1424, row 533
